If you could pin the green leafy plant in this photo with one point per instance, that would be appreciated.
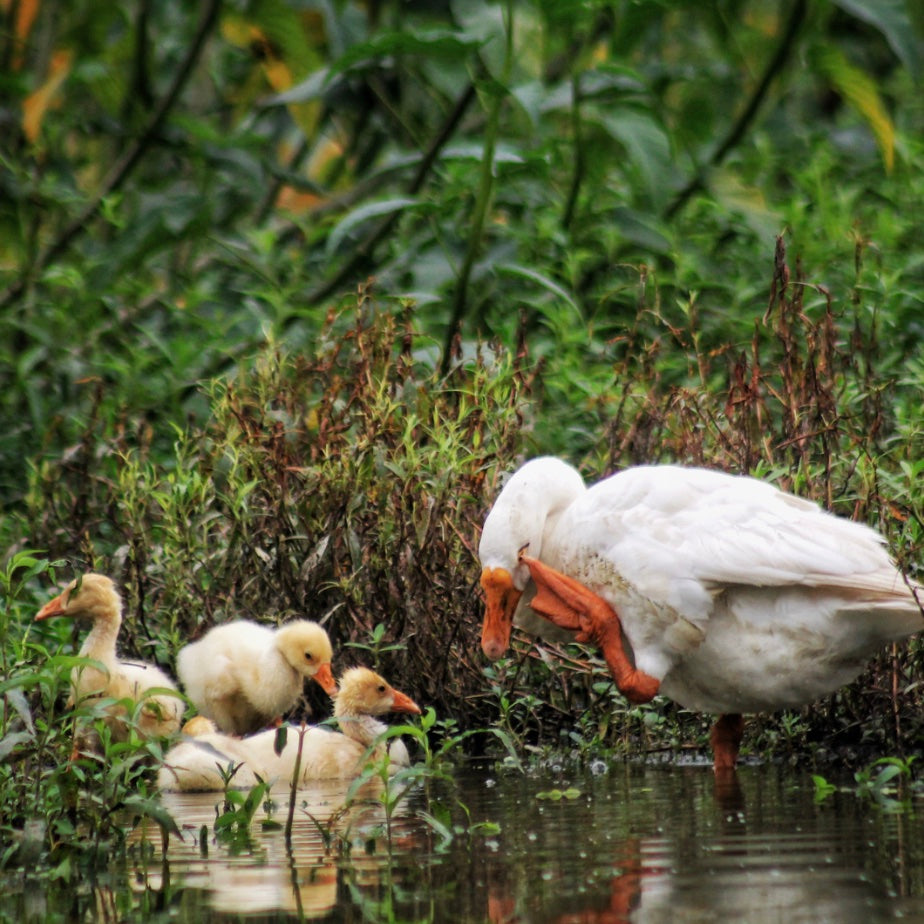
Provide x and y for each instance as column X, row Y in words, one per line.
column 823, row 789
column 233, row 822
column 376, row 646
column 886, row 782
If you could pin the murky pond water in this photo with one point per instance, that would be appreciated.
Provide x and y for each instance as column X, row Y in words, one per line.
column 646, row 844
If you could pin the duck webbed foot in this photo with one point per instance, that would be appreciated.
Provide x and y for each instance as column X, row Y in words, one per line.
column 570, row 605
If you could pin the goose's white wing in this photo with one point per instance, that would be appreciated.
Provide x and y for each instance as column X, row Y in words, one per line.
column 678, row 536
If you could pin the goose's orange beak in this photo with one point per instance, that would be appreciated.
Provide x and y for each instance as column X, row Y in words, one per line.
column 501, row 599
column 402, row 703
column 324, row 676
column 54, row 607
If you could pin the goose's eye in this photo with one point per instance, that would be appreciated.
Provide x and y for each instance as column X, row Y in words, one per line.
column 308, row 656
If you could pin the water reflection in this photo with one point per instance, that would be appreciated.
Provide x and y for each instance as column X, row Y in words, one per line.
column 638, row 844
column 680, row 849
column 335, row 827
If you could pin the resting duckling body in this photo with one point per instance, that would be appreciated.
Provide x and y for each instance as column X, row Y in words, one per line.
column 243, row 675
column 94, row 597
column 719, row 591
column 196, row 764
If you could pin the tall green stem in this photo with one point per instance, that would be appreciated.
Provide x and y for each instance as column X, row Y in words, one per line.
column 484, row 195
column 294, row 785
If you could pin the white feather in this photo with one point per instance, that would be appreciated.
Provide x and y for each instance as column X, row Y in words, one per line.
column 738, row 597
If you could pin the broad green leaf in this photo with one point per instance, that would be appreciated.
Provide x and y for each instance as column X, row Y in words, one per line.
column 503, row 154
column 363, row 214
column 647, row 145
column 891, row 18
column 533, row 98
column 153, row 809
column 310, row 88
column 442, row 830
column 9, row 742
column 540, row 279
column 485, row 22
column 748, row 201
column 437, row 43
column 18, row 701
column 886, row 774
column 289, row 44
column 639, row 229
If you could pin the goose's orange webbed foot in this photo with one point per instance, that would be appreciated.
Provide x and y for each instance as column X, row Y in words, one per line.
column 572, row 606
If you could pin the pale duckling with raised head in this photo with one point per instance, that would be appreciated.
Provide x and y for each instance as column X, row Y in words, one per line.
column 362, row 698
column 202, row 763
column 94, row 598
column 244, row 676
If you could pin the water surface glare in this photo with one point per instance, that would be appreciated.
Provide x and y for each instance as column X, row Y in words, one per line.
column 641, row 844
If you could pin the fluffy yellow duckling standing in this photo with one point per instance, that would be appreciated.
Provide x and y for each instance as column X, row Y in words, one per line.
column 196, row 764
column 94, row 598
column 243, row 675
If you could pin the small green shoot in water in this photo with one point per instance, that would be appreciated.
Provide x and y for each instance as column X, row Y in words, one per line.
column 556, row 795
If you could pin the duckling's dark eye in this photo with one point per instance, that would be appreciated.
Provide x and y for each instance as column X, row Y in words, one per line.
column 381, row 688
column 309, row 656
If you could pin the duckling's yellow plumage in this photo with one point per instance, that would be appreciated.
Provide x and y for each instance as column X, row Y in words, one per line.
column 94, row 598
column 244, row 675
column 195, row 765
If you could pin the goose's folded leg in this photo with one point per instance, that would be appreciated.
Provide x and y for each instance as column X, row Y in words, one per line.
column 570, row 605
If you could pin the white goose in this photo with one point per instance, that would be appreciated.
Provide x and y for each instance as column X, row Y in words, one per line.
column 94, row 597
column 196, row 764
column 244, row 675
column 721, row 592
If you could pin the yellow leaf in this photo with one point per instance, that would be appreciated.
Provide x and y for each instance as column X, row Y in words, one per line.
column 860, row 92
column 296, row 202
column 278, row 75
column 236, row 31
column 38, row 102
column 286, row 44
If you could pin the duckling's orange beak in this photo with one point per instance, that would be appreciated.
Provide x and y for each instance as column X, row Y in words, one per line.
column 402, row 703
column 54, row 607
column 501, row 599
column 324, row 676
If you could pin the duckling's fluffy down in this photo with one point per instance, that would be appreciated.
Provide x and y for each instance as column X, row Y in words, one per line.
column 197, row 763
column 244, row 675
